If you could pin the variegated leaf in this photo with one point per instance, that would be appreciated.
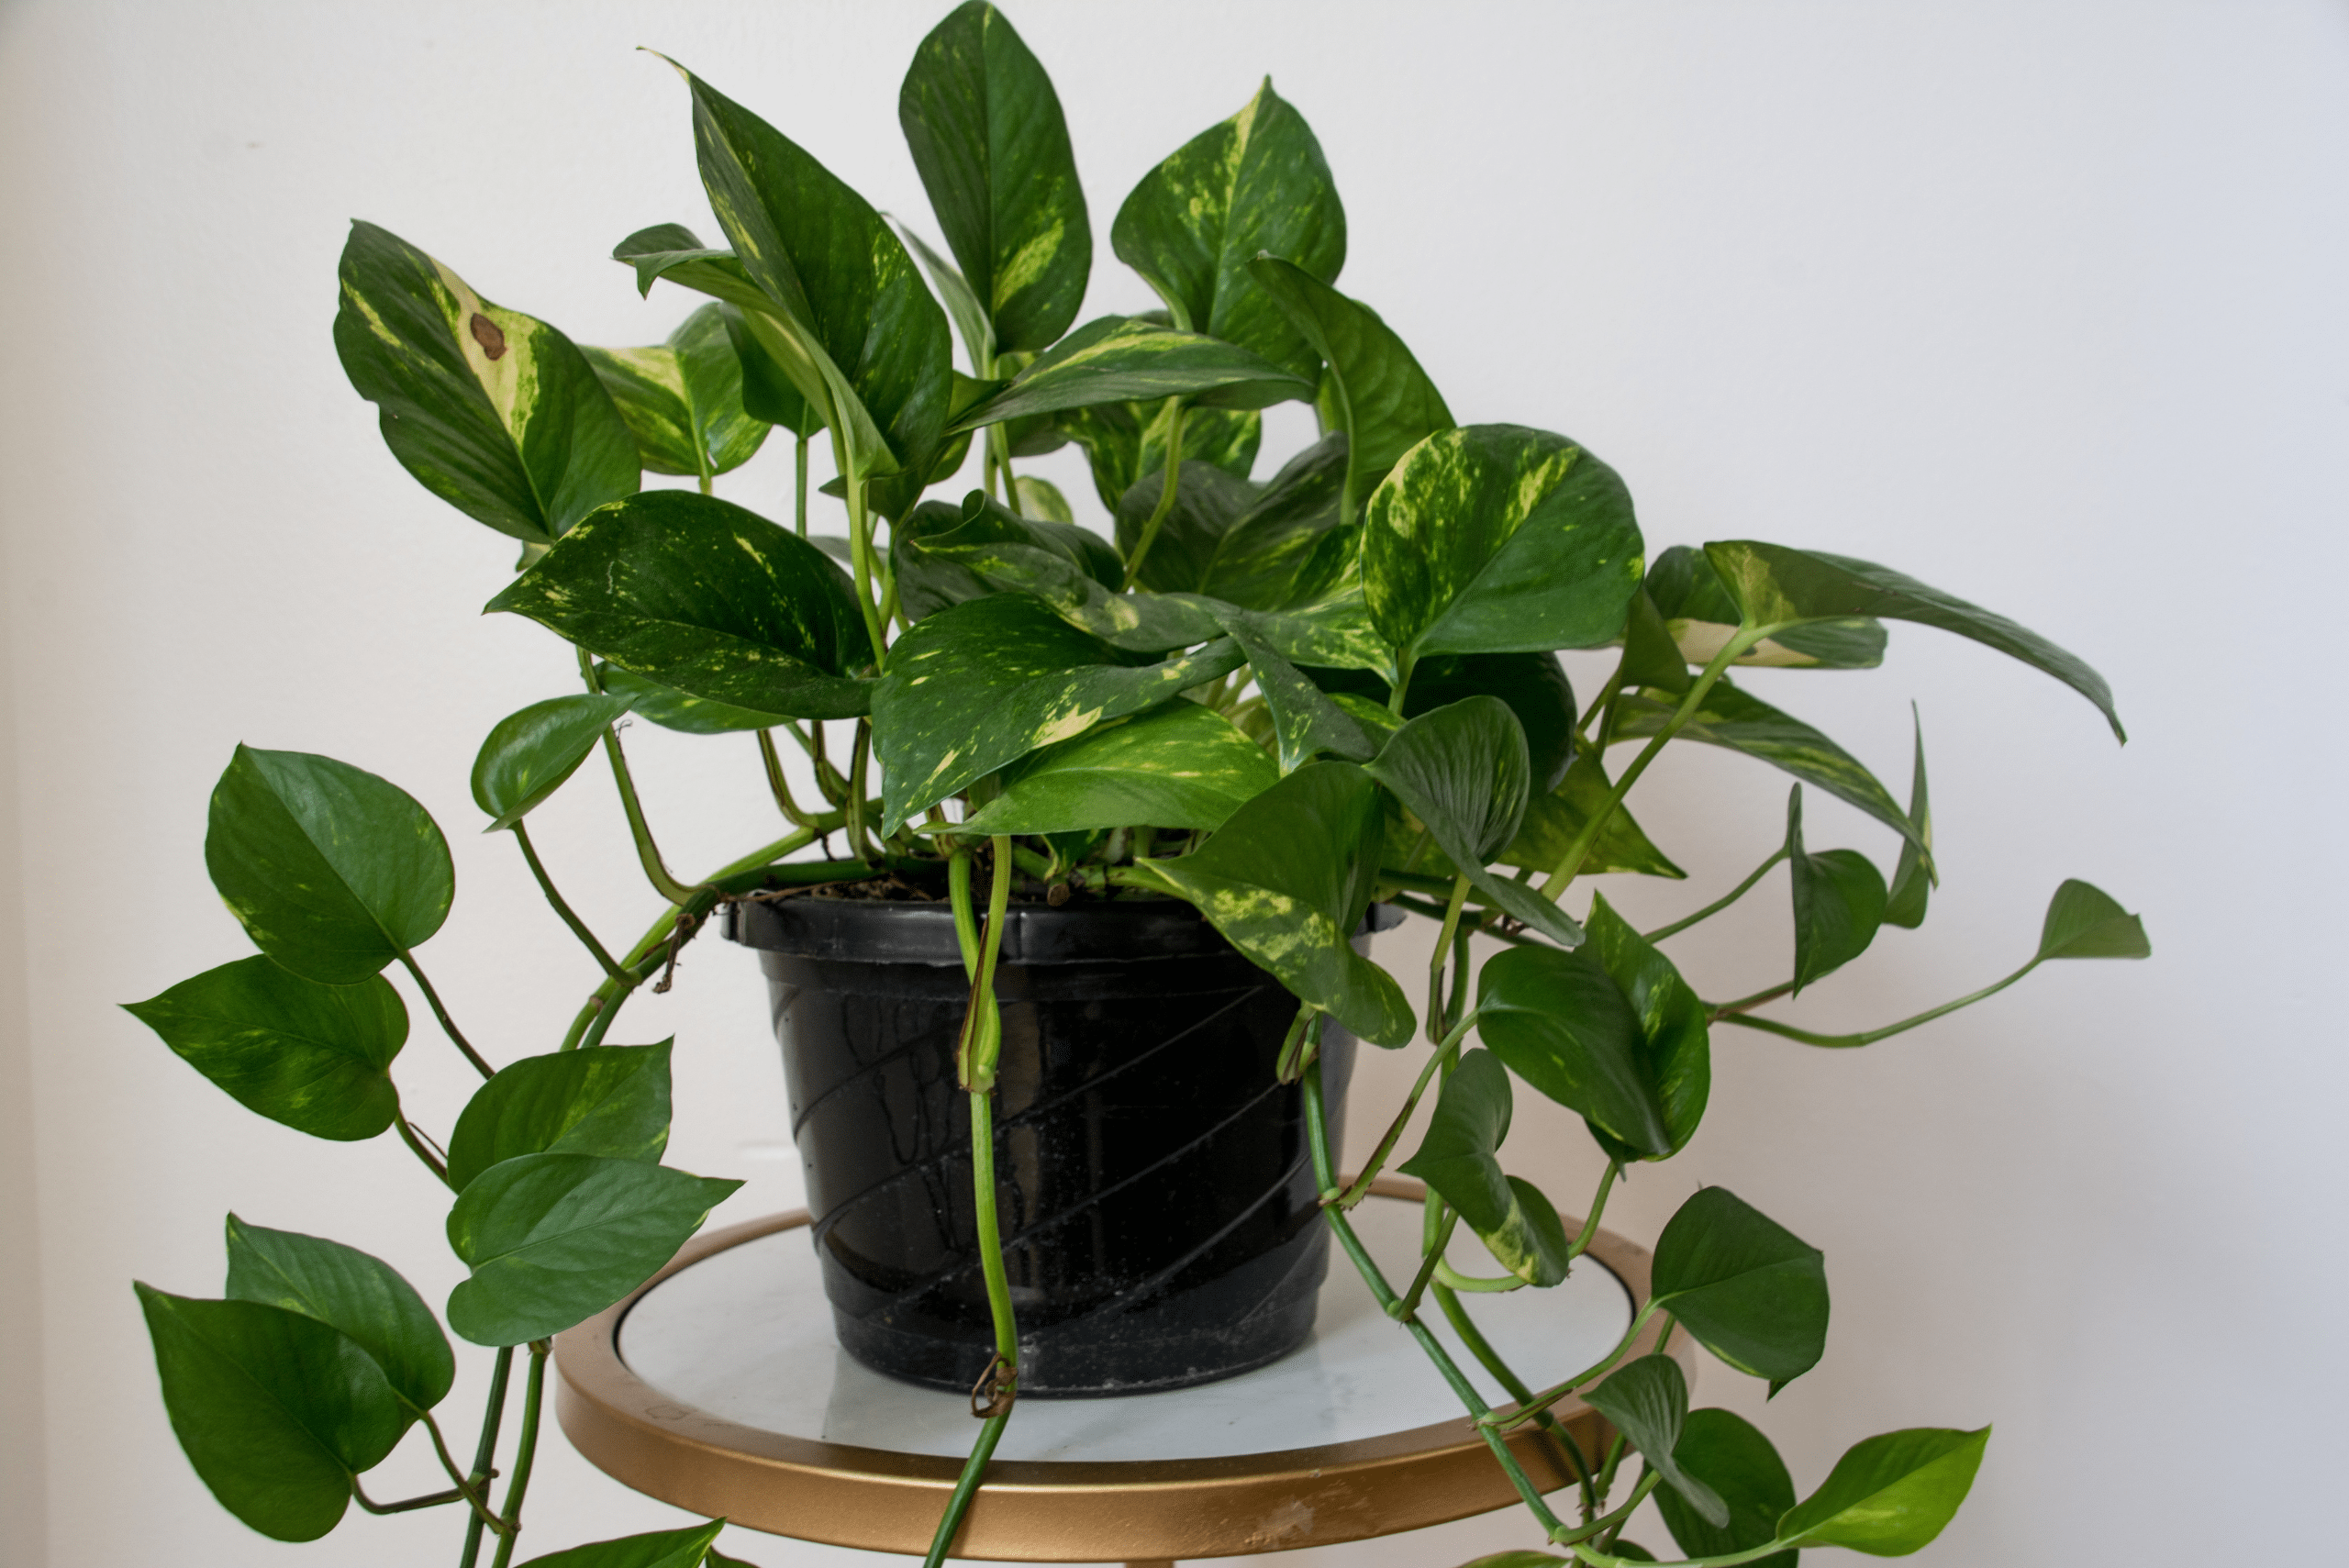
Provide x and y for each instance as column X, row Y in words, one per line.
column 1260, row 547
column 1775, row 586
column 1553, row 821
column 1041, row 499
column 1177, row 765
column 683, row 399
column 1286, row 880
column 700, row 595
column 986, row 133
column 1457, row 1158
column 1122, row 441
column 1495, row 538
column 681, row 711
column 943, row 555
column 1305, row 722
column 1732, row 718
column 1385, row 404
column 962, row 306
column 767, row 392
column 1127, row 359
column 979, row 685
column 494, row 412
column 1255, row 183
column 1700, row 617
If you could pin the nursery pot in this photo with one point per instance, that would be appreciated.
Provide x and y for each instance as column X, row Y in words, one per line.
column 1152, row 1182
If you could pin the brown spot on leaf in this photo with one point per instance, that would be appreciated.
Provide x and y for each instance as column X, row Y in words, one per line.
column 487, row 333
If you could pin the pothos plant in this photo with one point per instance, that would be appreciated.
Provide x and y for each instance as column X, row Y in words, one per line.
column 1276, row 701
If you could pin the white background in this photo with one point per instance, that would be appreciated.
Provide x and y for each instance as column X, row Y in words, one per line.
column 2041, row 303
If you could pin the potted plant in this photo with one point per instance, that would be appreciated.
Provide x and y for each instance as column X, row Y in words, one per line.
column 1113, row 820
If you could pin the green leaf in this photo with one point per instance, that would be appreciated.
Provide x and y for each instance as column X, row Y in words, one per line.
column 1494, row 538
column 349, row 1290
column 554, row 1239
column 1890, row 1495
column 1123, row 441
column 985, row 131
column 1726, row 1453
column 530, row 754
column 1123, row 358
column 1255, row 183
column 682, row 400
column 1698, row 616
column 1838, row 902
column 861, row 330
column 1775, row 586
column 607, row 1099
column 1286, row 881
column 1905, row 905
column 1731, row 717
column 1461, row 770
column 494, row 412
column 1648, row 1401
column 1749, row 1290
column 1675, row 1050
column 686, row 1548
column 2084, row 922
column 716, row 1559
column 1651, row 658
column 1385, row 403
column 1041, row 501
column 1552, row 822
column 944, row 555
column 767, row 392
column 333, row 871
column 1457, row 1158
column 978, row 685
column 1560, row 1022
column 672, row 709
column 1177, row 765
column 276, row 1410
column 1287, row 545
column 1533, row 685
column 1208, row 503
column 314, row 1057
column 1305, row 722
column 700, row 595
column 962, row 306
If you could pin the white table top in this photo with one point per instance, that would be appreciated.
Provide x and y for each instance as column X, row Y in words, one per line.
column 746, row 1334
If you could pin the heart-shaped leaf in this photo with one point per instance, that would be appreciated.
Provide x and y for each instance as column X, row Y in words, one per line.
column 1674, row 1051
column 1775, row 586
column 2084, row 922
column 1305, row 722
column 1648, row 1401
column 1041, row 500
column 1731, row 719
column 1698, row 616
column 700, row 595
column 1533, row 685
column 1286, row 547
column 682, row 400
column 1494, row 538
column 494, row 412
column 1904, row 905
column 1385, row 404
column 987, row 134
column 1457, row 1158
column 530, row 754
column 1461, row 770
column 349, row 1290
column 1555, row 820
column 1177, row 765
column 314, row 1057
column 1890, row 1495
column 276, row 1410
column 1750, row 1290
column 1728, row 1453
column 686, row 1548
column 1256, row 183
column 1838, row 902
column 978, row 685
column 1128, row 358
column 608, row 1099
column 333, row 871
column 1286, row 880
column 1560, row 1022
column 554, row 1239
column 681, row 711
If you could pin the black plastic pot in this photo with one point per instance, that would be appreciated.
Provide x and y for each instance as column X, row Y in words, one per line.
column 1153, row 1186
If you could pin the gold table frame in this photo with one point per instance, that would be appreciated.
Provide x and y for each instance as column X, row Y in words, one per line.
column 1137, row 1511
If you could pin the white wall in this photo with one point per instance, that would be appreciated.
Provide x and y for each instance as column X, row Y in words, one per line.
column 2044, row 304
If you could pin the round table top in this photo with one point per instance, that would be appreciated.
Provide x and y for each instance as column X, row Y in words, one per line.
column 719, row 1387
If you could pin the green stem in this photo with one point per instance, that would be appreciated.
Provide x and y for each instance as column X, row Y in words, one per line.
column 860, row 550
column 1436, row 1012
column 1316, row 1137
column 1377, row 1161
column 1388, row 894
column 1480, row 1284
column 1406, row 1310
column 484, row 1451
column 1455, row 1312
column 1579, row 851
column 966, row 1486
column 1289, row 1065
column 1159, row 514
column 1598, row 1206
column 859, row 758
column 477, row 1495
column 546, row 885
column 800, row 489
column 525, row 1455
column 646, row 852
column 408, row 1504
column 1558, row 1391
column 1007, row 1327
column 1718, row 905
column 448, row 1024
column 415, row 1146
column 1744, row 1004
column 1615, row 1522
column 777, row 784
column 1404, row 664
column 1869, row 1037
